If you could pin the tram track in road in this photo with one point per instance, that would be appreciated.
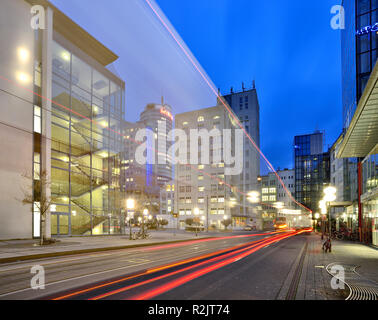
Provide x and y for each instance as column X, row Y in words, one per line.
column 152, row 282
column 73, row 271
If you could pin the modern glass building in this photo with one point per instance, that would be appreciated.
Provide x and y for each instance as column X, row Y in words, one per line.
column 86, row 143
column 360, row 110
column 359, row 43
column 61, row 116
column 312, row 170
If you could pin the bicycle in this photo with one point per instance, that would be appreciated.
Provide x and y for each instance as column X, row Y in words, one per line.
column 142, row 235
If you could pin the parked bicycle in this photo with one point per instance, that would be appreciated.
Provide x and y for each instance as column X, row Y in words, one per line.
column 141, row 235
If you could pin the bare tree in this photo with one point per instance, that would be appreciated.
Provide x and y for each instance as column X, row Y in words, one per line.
column 226, row 223
column 35, row 196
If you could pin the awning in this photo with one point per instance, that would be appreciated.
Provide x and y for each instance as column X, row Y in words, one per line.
column 362, row 134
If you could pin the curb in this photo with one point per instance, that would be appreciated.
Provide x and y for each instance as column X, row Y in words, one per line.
column 81, row 251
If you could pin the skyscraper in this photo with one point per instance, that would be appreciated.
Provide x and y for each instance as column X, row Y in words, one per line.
column 144, row 181
column 246, row 106
column 311, row 169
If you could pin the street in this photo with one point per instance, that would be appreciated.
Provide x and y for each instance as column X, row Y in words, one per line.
column 243, row 266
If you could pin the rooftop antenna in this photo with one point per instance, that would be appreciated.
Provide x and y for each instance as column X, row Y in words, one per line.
column 243, row 86
column 162, row 100
column 253, row 84
column 232, row 89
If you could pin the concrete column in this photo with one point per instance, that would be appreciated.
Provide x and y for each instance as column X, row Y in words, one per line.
column 46, row 107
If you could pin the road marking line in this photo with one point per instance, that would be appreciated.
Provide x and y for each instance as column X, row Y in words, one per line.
column 92, row 274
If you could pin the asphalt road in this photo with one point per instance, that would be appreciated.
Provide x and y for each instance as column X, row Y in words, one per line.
column 244, row 266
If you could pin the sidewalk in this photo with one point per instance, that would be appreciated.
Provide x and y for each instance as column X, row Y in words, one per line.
column 18, row 250
column 313, row 279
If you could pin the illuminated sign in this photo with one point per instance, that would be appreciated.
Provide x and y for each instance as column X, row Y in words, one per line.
column 166, row 113
column 367, row 29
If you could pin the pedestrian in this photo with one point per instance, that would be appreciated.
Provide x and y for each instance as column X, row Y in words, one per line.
column 327, row 245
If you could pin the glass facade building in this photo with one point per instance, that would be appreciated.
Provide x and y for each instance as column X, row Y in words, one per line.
column 359, row 44
column 86, row 144
column 312, row 169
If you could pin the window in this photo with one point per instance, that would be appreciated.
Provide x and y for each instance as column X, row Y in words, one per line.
column 272, row 198
column 37, row 73
column 182, row 212
column 200, row 119
column 188, row 189
column 265, row 198
column 36, row 219
column 201, row 189
column 37, row 119
column 265, row 190
column 214, row 199
column 201, row 200
column 37, row 166
column 272, row 190
column 200, row 177
column 188, row 200
column 221, row 199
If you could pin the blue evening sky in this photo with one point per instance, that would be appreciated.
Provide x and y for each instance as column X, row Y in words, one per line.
column 286, row 46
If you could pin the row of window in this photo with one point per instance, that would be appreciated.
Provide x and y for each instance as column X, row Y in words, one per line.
column 269, row 198
column 213, row 199
column 213, row 211
column 268, row 190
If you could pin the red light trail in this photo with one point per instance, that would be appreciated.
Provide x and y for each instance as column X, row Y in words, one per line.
column 163, row 267
column 196, row 274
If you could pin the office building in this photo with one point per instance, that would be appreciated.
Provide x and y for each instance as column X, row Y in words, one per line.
column 246, row 107
column 206, row 187
column 311, row 169
column 360, row 110
column 143, row 182
column 61, row 114
column 288, row 178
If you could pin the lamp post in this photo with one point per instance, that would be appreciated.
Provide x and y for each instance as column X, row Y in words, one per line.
column 323, row 210
column 225, row 217
column 196, row 213
column 130, row 205
column 329, row 196
column 145, row 215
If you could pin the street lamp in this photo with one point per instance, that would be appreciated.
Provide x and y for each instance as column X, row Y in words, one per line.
column 329, row 196
column 225, row 217
column 130, row 205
